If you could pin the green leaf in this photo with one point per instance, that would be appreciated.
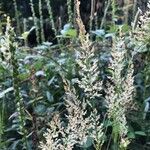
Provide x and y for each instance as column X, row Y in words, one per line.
column 38, row 64
column 99, row 33
column 68, row 31
column 49, row 96
column 72, row 32
column 140, row 133
column 15, row 144
column 125, row 28
column 113, row 29
column 131, row 135
column 2, row 94
column 40, row 109
column 88, row 142
column 23, row 76
column 107, row 123
column 25, row 34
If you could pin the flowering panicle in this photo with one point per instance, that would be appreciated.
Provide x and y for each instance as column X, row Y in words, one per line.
column 87, row 62
column 79, row 127
column 142, row 31
column 119, row 96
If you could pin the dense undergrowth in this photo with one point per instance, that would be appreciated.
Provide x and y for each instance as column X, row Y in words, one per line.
column 79, row 87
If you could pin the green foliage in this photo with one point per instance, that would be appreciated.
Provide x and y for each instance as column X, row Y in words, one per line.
column 89, row 91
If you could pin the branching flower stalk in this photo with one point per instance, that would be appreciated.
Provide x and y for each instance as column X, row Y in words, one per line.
column 83, row 37
column 119, row 96
column 143, row 33
column 88, row 70
column 78, row 128
column 11, row 45
column 87, row 62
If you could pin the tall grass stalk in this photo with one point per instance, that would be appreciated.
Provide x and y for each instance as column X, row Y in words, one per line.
column 41, row 22
column 2, row 125
column 92, row 13
column 89, row 71
column 113, row 5
column 136, row 19
column 24, row 30
column 87, row 62
column 142, row 32
column 127, row 6
column 96, row 21
column 35, row 21
column 70, row 13
column 134, row 8
column 1, row 27
column 9, row 35
column 51, row 16
column 119, row 96
column 83, row 36
column 17, row 18
column 80, row 126
column 105, row 13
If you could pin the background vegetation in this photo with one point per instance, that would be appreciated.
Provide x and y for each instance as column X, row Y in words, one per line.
column 74, row 75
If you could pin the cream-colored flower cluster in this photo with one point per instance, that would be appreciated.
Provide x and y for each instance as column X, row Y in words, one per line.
column 5, row 44
column 79, row 128
column 120, row 95
column 144, row 26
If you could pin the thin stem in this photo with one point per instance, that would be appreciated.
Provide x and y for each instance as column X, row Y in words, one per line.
column 51, row 16
column 108, row 145
column 17, row 17
column 19, row 100
column 41, row 22
column 113, row 8
column 35, row 22
column 136, row 18
column 70, row 13
column 134, row 8
column 92, row 13
column 105, row 13
column 24, row 30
